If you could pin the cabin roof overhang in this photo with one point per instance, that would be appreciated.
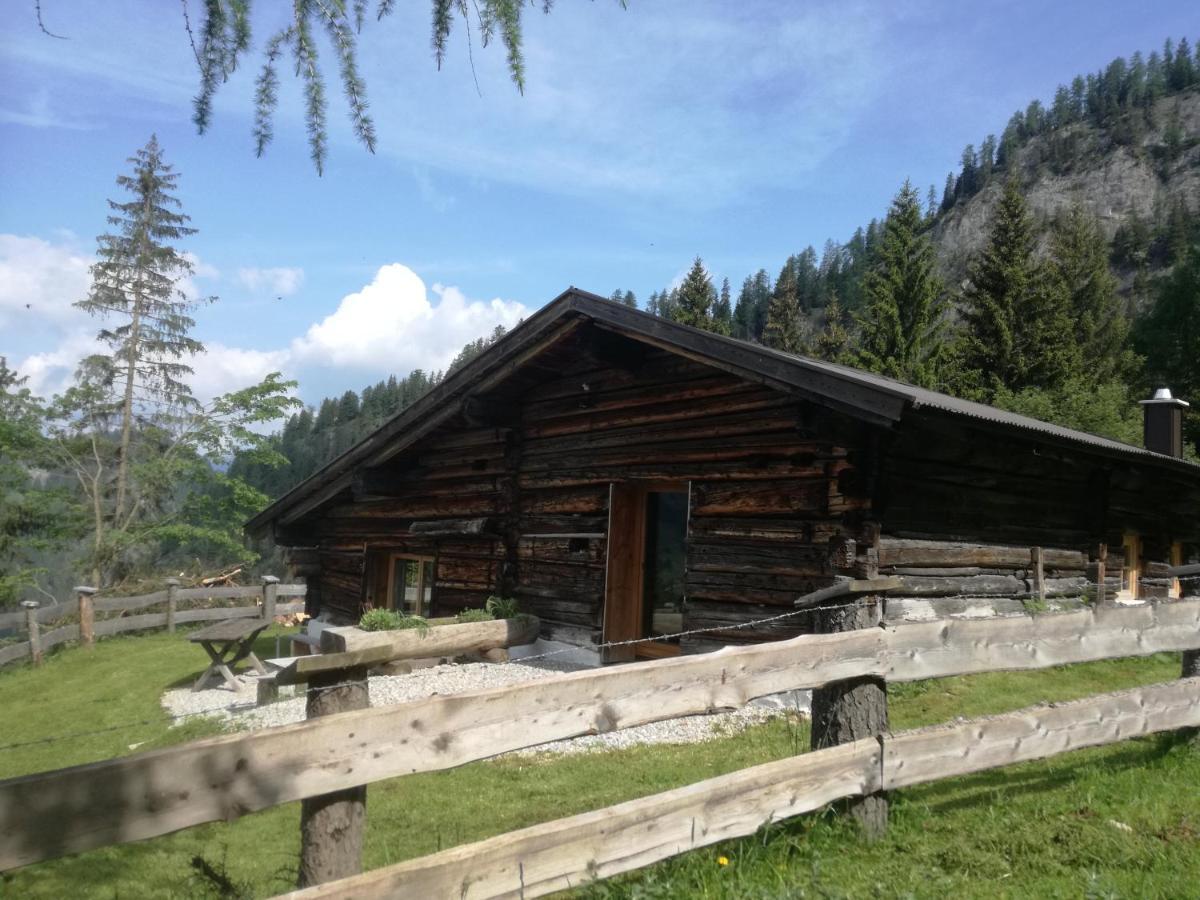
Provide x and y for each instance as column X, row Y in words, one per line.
column 871, row 398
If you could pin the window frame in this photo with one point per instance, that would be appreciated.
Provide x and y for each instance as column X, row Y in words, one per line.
column 389, row 558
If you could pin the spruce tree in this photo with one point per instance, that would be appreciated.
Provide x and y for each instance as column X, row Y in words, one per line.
column 723, row 311
column 902, row 323
column 784, row 330
column 629, row 299
column 1079, row 264
column 696, row 298
column 1017, row 331
column 833, row 343
column 136, row 280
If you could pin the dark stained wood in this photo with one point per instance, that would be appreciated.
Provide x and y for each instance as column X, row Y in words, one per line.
column 626, row 559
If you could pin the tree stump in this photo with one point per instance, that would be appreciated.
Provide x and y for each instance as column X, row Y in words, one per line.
column 853, row 709
column 332, row 825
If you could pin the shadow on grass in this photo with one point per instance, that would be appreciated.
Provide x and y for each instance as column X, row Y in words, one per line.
column 977, row 789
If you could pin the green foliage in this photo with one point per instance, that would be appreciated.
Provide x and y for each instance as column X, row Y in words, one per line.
column 380, row 620
column 502, row 607
column 696, row 298
column 833, row 343
column 1079, row 268
column 1018, row 332
column 225, row 40
column 1168, row 336
column 903, row 320
column 392, row 620
column 474, row 615
column 784, row 330
column 1107, row 409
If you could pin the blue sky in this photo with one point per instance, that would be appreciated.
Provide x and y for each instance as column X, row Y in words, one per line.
column 737, row 131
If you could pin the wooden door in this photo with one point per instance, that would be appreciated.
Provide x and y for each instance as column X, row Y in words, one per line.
column 626, row 556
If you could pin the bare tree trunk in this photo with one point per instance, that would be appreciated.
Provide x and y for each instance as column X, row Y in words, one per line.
column 332, row 825
column 853, row 709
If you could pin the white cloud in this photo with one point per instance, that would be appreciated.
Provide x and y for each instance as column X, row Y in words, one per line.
column 281, row 281
column 39, row 281
column 391, row 325
column 394, row 324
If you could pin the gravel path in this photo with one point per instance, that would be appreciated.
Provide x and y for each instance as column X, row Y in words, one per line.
column 239, row 711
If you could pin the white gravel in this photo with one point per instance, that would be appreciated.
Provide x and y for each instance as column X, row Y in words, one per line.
column 238, row 710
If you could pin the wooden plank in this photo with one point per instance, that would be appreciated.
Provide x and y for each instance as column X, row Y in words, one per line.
column 568, row 853
column 131, row 623
column 124, row 604
column 53, row 813
column 44, row 614
column 958, row 749
column 912, row 552
column 229, row 630
column 59, row 636
column 239, row 592
column 13, row 652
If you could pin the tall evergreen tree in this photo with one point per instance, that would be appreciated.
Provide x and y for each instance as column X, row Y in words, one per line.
column 696, row 298
column 902, row 323
column 136, row 280
column 1079, row 265
column 833, row 342
column 1017, row 332
column 629, row 299
column 723, row 311
column 784, row 330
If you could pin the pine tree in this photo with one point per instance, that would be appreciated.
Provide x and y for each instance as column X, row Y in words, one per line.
column 1017, row 332
column 723, row 311
column 784, row 330
column 696, row 298
column 833, row 343
column 901, row 326
column 1079, row 265
column 136, row 280
column 629, row 299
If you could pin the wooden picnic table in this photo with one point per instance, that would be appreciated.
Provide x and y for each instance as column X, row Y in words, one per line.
column 227, row 644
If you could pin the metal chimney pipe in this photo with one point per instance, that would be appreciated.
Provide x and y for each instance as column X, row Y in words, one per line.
column 1162, row 428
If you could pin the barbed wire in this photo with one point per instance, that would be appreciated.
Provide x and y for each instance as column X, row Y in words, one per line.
column 311, row 691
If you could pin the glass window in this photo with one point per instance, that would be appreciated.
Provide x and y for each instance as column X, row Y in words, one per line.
column 405, row 584
column 663, row 586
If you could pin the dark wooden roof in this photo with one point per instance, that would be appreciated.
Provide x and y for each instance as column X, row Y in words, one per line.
column 872, row 398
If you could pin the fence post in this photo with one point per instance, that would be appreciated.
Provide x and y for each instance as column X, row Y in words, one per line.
column 856, row 708
column 270, row 592
column 332, row 825
column 1101, row 575
column 1039, row 573
column 87, row 617
column 172, row 603
column 35, row 634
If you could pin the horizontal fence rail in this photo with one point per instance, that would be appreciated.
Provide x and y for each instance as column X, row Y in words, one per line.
column 131, row 798
column 566, row 853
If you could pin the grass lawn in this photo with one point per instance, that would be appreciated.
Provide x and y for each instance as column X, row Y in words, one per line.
column 1119, row 821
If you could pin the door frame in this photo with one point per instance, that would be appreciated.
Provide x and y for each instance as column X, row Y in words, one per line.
column 622, row 614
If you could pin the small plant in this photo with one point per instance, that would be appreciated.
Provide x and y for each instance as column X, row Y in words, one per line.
column 474, row 615
column 380, row 620
column 502, row 607
column 391, row 620
column 420, row 623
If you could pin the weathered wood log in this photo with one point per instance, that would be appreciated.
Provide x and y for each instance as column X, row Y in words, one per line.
column 87, row 617
column 172, row 603
column 442, row 640
column 332, row 825
column 924, row 553
column 567, row 853
column 49, row 814
column 759, row 497
column 33, row 630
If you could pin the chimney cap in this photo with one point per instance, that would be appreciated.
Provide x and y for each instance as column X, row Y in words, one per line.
column 1163, row 395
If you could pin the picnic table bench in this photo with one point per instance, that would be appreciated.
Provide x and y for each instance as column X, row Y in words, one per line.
column 227, row 644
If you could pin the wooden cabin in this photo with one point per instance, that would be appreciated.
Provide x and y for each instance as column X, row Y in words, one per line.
column 623, row 476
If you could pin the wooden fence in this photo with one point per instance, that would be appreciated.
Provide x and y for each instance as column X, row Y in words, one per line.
column 49, row 814
column 86, row 606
